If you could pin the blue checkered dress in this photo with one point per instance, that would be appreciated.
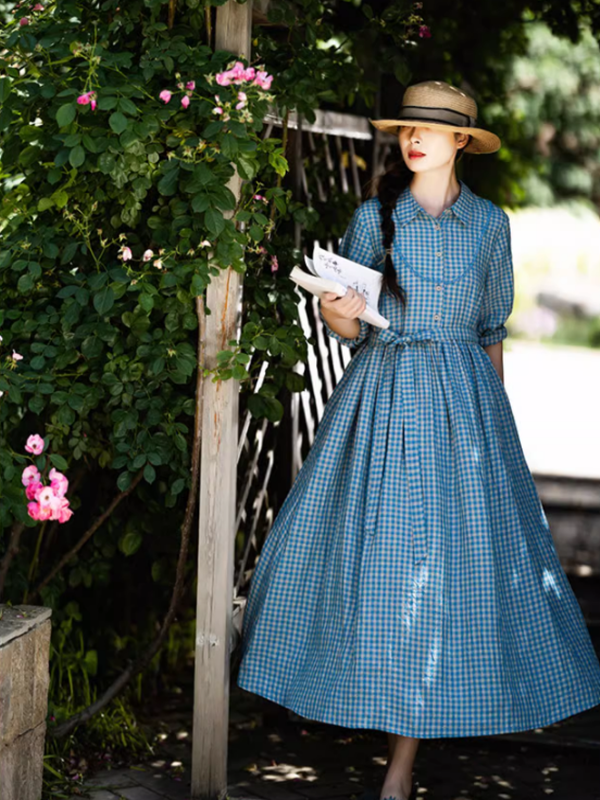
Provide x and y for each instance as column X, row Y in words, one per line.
column 410, row 582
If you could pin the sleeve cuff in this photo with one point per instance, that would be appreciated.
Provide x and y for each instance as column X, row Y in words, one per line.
column 352, row 343
column 493, row 336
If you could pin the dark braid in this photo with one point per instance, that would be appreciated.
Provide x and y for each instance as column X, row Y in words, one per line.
column 389, row 188
column 391, row 185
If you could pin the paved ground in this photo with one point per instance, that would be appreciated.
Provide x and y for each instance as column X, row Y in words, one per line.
column 275, row 755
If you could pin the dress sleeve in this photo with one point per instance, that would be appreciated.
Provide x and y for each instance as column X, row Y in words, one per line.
column 357, row 245
column 499, row 289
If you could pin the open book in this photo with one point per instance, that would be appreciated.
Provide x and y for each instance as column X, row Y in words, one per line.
column 329, row 272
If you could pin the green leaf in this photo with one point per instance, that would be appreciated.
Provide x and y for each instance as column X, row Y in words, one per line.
column 118, row 122
column 124, row 481
column 149, row 473
column 65, row 115
column 214, row 221
column 59, row 462
column 77, row 156
column 104, row 300
column 25, row 283
column 178, row 486
column 4, row 89
column 60, row 199
column 147, row 302
column 130, row 543
column 167, row 185
column 247, row 167
column 127, row 106
column 45, row 203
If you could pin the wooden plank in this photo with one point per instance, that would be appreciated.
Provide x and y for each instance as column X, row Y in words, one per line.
column 214, row 627
column 332, row 123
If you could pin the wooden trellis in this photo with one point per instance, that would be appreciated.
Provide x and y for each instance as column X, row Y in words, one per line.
column 329, row 158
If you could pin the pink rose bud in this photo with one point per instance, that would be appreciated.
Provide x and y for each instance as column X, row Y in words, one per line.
column 191, row 85
column 35, row 444
column 147, row 255
column 165, row 95
column 16, row 356
column 217, row 110
column 126, row 254
column 185, row 101
column 24, row 21
column 38, row 7
column 93, row 105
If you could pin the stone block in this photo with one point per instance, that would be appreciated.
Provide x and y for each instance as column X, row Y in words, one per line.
column 24, row 677
column 22, row 766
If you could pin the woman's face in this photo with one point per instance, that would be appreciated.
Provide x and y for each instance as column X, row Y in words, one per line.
column 438, row 146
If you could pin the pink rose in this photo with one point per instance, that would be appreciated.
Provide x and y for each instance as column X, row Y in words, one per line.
column 38, row 7
column 35, row 444
column 263, row 79
column 33, row 489
column 33, row 509
column 147, row 255
column 64, row 514
column 16, row 356
column 58, row 483
column 165, row 95
column 24, row 21
column 126, row 254
column 424, row 32
column 84, row 99
column 185, row 101
column 223, row 78
column 274, row 264
column 30, row 475
column 191, row 85
column 217, row 110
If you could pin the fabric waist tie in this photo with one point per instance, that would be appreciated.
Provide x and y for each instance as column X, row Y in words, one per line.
column 390, row 339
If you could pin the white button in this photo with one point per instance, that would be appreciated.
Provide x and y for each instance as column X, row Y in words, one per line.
column 440, row 254
column 437, row 225
column 437, row 316
column 439, row 287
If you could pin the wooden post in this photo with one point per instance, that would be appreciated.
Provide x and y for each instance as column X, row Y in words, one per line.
column 217, row 497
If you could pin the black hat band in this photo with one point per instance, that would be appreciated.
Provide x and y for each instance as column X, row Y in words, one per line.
column 445, row 116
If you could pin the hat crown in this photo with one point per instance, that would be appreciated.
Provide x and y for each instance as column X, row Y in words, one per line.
column 438, row 94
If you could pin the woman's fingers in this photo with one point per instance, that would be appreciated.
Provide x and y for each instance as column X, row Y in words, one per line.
column 350, row 306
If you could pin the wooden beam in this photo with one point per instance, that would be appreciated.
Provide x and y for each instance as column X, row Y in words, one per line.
column 214, row 628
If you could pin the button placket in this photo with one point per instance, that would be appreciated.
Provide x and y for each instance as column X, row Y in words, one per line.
column 440, row 254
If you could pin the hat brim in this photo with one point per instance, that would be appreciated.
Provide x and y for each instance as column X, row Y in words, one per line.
column 482, row 142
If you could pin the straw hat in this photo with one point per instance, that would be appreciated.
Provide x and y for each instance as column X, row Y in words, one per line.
column 435, row 104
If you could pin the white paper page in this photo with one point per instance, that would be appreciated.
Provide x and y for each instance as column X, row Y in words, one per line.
column 362, row 279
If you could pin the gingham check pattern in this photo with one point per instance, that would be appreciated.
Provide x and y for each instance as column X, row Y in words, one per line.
column 410, row 582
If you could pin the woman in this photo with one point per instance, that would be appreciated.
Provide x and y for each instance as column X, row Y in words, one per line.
column 410, row 582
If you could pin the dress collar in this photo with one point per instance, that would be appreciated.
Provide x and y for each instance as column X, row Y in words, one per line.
column 407, row 207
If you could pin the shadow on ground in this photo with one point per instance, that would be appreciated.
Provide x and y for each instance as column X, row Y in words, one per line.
column 276, row 755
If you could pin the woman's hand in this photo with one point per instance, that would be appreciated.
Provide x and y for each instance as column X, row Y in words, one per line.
column 347, row 307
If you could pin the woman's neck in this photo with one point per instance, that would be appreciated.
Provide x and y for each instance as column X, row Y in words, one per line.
column 434, row 192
